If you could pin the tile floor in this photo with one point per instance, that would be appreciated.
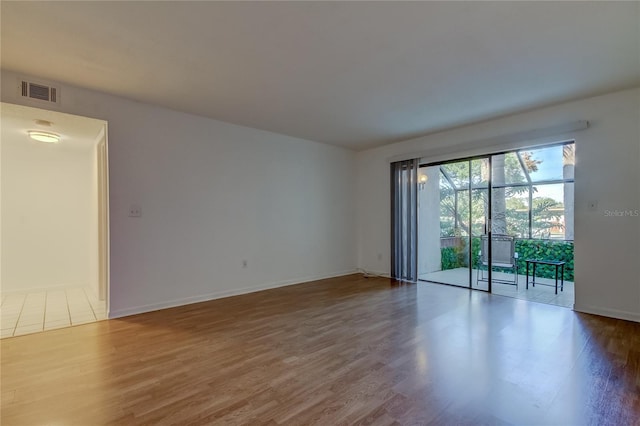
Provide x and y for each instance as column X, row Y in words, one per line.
column 540, row 293
column 32, row 312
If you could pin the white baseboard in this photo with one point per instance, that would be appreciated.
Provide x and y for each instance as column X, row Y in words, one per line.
column 218, row 295
column 384, row 274
column 612, row 313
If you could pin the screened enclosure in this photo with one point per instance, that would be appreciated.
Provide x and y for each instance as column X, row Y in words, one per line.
column 524, row 195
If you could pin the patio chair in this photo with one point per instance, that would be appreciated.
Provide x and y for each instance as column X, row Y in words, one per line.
column 503, row 248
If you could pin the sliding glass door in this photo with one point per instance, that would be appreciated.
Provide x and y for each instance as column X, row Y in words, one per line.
column 480, row 203
column 452, row 218
column 482, row 220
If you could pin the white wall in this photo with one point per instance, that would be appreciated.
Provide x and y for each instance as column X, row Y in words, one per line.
column 429, row 255
column 92, row 232
column 213, row 194
column 607, row 249
column 45, row 215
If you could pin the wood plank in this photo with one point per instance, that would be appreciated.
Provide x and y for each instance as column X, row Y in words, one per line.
column 348, row 350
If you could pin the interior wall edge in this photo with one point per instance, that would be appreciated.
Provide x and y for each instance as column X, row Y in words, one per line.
column 605, row 312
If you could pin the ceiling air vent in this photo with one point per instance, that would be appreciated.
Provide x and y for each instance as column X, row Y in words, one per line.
column 39, row 92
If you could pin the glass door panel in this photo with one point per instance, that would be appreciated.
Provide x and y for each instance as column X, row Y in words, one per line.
column 444, row 241
column 480, row 176
column 451, row 221
column 504, row 225
column 435, row 222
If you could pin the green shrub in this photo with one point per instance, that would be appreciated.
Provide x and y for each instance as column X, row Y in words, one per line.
column 545, row 250
column 449, row 258
column 455, row 257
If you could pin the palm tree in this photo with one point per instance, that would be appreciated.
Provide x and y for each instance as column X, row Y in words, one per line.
column 498, row 202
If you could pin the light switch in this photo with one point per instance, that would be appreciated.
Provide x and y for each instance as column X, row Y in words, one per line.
column 135, row 211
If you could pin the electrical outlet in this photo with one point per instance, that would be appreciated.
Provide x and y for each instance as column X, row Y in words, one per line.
column 135, row 211
column 379, row 257
column 244, row 263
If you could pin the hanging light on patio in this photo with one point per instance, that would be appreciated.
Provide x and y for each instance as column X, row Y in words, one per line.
column 422, row 180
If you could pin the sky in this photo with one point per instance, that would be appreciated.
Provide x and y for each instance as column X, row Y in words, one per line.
column 549, row 168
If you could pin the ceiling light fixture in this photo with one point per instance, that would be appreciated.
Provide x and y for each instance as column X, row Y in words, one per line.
column 46, row 137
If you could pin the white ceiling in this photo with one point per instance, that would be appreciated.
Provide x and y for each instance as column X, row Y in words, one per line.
column 355, row 74
column 76, row 133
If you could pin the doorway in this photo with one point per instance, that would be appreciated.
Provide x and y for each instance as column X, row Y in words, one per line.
column 54, row 198
column 483, row 220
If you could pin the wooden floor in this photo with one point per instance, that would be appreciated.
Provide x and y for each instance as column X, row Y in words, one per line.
column 342, row 351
